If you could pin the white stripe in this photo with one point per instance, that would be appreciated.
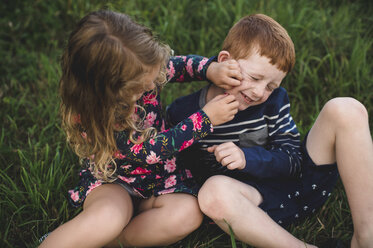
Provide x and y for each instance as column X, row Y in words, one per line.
column 284, row 125
column 239, row 123
column 288, row 139
column 247, row 122
column 288, row 131
column 218, row 141
column 285, row 106
column 290, row 145
column 239, row 132
column 285, row 116
column 291, row 134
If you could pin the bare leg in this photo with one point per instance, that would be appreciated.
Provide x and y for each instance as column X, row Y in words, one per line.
column 107, row 210
column 162, row 220
column 341, row 133
column 224, row 198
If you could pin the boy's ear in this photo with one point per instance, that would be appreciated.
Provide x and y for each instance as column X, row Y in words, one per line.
column 223, row 56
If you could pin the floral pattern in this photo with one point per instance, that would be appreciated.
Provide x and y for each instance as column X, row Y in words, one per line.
column 150, row 168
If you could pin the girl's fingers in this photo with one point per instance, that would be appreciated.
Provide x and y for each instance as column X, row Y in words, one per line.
column 226, row 87
column 229, row 98
column 226, row 98
column 233, row 106
column 234, row 74
column 218, row 97
column 234, row 81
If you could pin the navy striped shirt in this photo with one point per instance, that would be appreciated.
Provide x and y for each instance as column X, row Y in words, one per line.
column 266, row 133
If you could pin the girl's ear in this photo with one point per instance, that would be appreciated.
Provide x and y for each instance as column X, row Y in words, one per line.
column 223, row 56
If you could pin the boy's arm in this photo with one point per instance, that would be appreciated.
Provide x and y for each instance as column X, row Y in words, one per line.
column 281, row 156
column 279, row 161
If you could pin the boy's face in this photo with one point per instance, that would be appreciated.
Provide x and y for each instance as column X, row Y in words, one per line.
column 259, row 79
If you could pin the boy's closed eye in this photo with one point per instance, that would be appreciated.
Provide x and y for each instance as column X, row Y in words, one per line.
column 254, row 78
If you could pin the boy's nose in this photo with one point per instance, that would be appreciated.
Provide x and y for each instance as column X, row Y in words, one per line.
column 258, row 92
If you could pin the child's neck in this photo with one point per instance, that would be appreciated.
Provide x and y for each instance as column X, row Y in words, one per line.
column 213, row 91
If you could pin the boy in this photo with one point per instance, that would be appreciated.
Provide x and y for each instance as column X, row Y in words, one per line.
column 260, row 176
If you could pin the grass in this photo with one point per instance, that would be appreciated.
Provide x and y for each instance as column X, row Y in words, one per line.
column 333, row 41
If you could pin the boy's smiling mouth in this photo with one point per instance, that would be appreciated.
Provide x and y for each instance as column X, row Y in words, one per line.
column 247, row 99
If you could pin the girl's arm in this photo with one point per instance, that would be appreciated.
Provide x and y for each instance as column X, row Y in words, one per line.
column 166, row 143
column 188, row 68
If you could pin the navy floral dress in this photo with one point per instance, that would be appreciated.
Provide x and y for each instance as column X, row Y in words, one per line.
column 150, row 168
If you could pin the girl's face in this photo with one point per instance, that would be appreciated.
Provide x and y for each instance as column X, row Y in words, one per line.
column 148, row 81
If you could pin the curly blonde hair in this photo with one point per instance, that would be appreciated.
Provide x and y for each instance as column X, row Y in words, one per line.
column 102, row 66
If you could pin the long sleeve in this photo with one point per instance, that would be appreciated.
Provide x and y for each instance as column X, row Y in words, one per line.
column 166, row 143
column 187, row 68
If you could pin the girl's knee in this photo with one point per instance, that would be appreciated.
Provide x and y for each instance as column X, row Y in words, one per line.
column 185, row 216
column 343, row 110
column 109, row 205
column 192, row 218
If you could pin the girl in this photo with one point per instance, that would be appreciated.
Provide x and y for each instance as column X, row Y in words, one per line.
column 111, row 71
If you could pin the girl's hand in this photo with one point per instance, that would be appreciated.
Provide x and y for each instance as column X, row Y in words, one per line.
column 221, row 109
column 226, row 74
column 229, row 155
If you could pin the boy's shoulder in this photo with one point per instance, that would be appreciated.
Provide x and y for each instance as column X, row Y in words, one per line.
column 275, row 102
column 278, row 96
column 280, row 92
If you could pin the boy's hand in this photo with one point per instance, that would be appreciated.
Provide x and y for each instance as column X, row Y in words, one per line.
column 226, row 74
column 229, row 155
column 221, row 109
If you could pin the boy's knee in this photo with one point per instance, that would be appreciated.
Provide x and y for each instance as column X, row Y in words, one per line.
column 214, row 197
column 345, row 110
column 363, row 235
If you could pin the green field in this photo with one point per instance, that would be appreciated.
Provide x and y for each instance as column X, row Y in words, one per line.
column 333, row 41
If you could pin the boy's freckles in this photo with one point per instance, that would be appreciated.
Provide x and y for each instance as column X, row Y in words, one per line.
column 260, row 78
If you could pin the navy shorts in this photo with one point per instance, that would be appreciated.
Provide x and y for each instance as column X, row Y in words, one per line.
column 285, row 200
